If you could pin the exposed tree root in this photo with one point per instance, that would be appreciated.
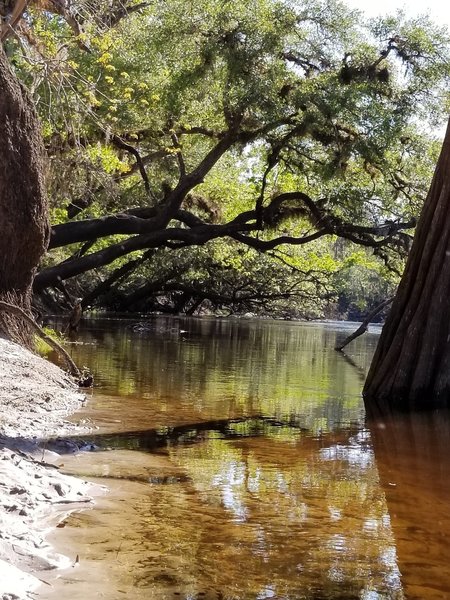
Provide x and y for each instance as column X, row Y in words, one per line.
column 83, row 379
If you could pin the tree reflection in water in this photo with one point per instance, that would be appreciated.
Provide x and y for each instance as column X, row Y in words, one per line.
column 411, row 453
column 242, row 468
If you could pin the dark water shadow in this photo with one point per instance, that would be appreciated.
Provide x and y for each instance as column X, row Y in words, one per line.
column 156, row 438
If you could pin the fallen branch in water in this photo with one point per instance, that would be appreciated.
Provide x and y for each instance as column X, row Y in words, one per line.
column 73, row 369
column 364, row 325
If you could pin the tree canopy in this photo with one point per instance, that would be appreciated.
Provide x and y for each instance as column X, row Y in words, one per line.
column 232, row 150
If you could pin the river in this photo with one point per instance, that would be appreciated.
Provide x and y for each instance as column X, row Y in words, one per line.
column 241, row 467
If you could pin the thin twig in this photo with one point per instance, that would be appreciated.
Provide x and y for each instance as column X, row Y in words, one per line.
column 180, row 159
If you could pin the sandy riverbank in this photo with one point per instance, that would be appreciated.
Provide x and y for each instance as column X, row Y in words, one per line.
column 36, row 398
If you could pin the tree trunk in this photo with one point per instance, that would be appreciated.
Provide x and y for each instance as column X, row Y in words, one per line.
column 24, row 226
column 411, row 366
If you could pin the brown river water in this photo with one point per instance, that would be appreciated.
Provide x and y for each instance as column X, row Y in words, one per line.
column 240, row 466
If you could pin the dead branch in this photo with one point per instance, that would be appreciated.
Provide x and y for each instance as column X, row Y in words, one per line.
column 364, row 325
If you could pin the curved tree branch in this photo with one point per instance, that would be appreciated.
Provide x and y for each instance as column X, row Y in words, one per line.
column 195, row 236
column 145, row 220
column 139, row 162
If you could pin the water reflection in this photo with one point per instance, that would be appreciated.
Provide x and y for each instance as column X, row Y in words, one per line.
column 220, row 369
column 412, row 460
column 237, row 518
column 241, row 467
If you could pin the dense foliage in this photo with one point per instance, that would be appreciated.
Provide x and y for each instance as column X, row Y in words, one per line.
column 231, row 155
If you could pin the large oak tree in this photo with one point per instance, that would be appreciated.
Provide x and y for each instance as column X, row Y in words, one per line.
column 24, row 228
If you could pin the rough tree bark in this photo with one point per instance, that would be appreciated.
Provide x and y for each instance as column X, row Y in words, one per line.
column 411, row 366
column 24, row 229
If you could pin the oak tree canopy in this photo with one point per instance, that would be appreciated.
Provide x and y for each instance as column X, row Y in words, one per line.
column 234, row 153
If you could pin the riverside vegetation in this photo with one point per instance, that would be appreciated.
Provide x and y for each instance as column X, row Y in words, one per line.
column 269, row 158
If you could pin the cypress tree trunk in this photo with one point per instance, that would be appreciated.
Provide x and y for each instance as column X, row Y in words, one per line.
column 411, row 366
column 24, row 226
